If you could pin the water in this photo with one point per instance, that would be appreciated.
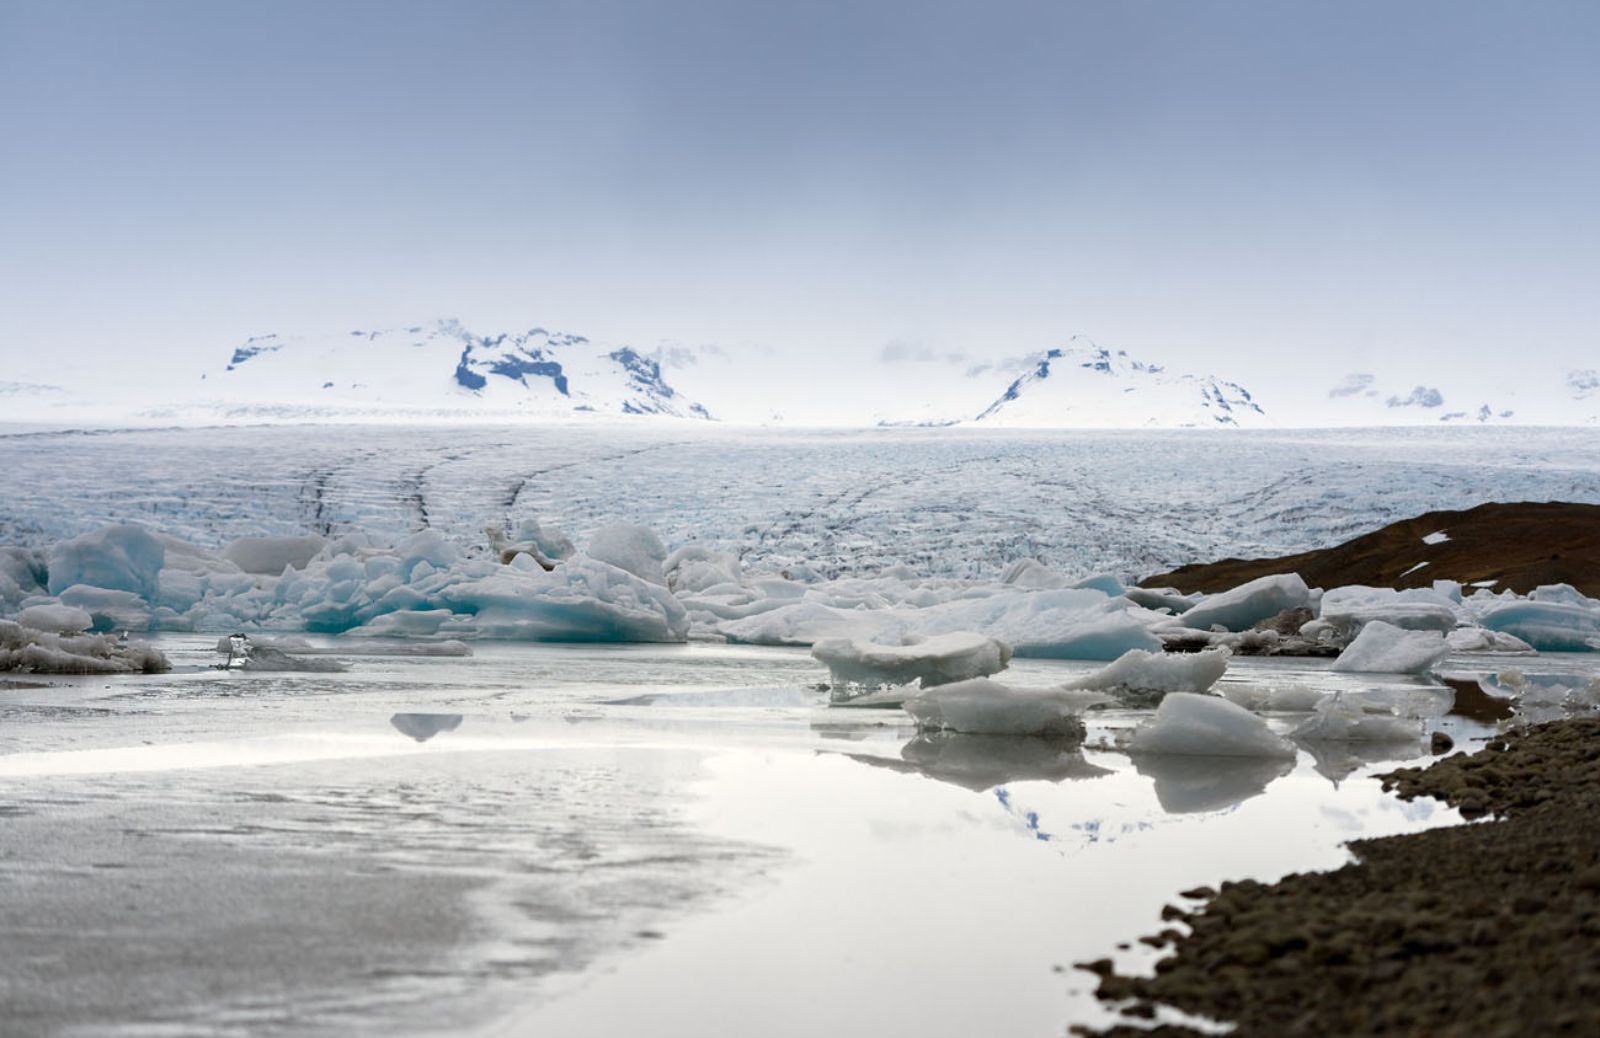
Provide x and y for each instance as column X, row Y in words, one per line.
column 597, row 841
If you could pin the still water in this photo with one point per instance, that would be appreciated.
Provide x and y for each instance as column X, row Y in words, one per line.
column 557, row 840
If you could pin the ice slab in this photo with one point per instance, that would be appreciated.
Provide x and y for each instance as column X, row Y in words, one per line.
column 1414, row 609
column 1548, row 626
column 1382, row 648
column 1137, row 671
column 1260, row 599
column 1341, row 718
column 936, row 660
column 1190, row 724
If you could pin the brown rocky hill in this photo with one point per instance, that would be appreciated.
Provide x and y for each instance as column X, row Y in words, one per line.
column 1519, row 545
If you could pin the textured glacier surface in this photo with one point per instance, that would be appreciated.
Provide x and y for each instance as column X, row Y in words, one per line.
column 958, row 503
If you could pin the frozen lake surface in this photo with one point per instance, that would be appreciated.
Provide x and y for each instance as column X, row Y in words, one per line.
column 678, row 840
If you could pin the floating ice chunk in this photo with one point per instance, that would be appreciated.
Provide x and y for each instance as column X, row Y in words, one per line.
column 984, row 706
column 109, row 610
column 582, row 600
column 1553, row 626
column 1190, row 724
column 57, row 619
column 270, row 556
column 696, row 568
column 803, row 623
column 1239, row 608
column 1382, row 648
column 1415, row 609
column 1275, row 699
column 119, row 558
column 1340, row 718
column 1481, row 639
column 32, row 651
column 1158, row 672
column 937, row 660
column 1563, row 593
column 1031, row 573
column 633, row 549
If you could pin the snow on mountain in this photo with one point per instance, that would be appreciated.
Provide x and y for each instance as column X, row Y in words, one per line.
column 1083, row 385
column 445, row 368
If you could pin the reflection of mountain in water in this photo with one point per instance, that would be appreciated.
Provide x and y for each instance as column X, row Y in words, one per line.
column 1189, row 784
column 982, row 762
column 423, row 727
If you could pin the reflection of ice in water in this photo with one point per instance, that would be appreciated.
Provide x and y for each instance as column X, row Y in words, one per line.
column 423, row 727
column 1189, row 784
column 982, row 762
column 1337, row 761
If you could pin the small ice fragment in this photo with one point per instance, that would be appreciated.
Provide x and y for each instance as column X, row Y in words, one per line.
column 1436, row 537
column 983, row 706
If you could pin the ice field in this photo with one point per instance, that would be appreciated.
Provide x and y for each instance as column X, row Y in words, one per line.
column 943, row 502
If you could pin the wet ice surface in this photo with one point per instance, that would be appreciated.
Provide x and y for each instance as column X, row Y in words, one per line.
column 563, row 840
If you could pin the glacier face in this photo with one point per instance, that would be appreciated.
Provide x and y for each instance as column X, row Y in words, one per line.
column 1083, row 385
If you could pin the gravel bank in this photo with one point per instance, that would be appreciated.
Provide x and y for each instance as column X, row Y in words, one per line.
column 1490, row 929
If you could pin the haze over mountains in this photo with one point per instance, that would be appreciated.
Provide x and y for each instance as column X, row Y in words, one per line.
column 443, row 371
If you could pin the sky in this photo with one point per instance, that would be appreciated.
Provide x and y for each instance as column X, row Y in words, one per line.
column 833, row 193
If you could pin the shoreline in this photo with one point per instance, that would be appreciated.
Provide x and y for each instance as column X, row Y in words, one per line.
column 1490, row 928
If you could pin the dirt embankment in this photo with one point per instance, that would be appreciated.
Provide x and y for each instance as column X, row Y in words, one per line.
column 1490, row 929
column 1518, row 545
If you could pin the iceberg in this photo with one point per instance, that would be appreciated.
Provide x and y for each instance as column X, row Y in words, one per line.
column 1548, row 626
column 937, row 660
column 1158, row 672
column 1260, row 599
column 55, row 618
column 118, row 558
column 1413, row 609
column 1191, row 724
column 270, row 556
column 1382, row 648
column 983, row 706
column 632, row 549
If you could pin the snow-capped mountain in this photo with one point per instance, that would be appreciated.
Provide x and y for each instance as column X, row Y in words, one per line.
column 444, row 367
column 1085, row 385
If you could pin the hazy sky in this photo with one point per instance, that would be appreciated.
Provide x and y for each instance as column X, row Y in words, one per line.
column 1271, row 191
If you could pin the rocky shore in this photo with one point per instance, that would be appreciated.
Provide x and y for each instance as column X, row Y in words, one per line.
column 1485, row 929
